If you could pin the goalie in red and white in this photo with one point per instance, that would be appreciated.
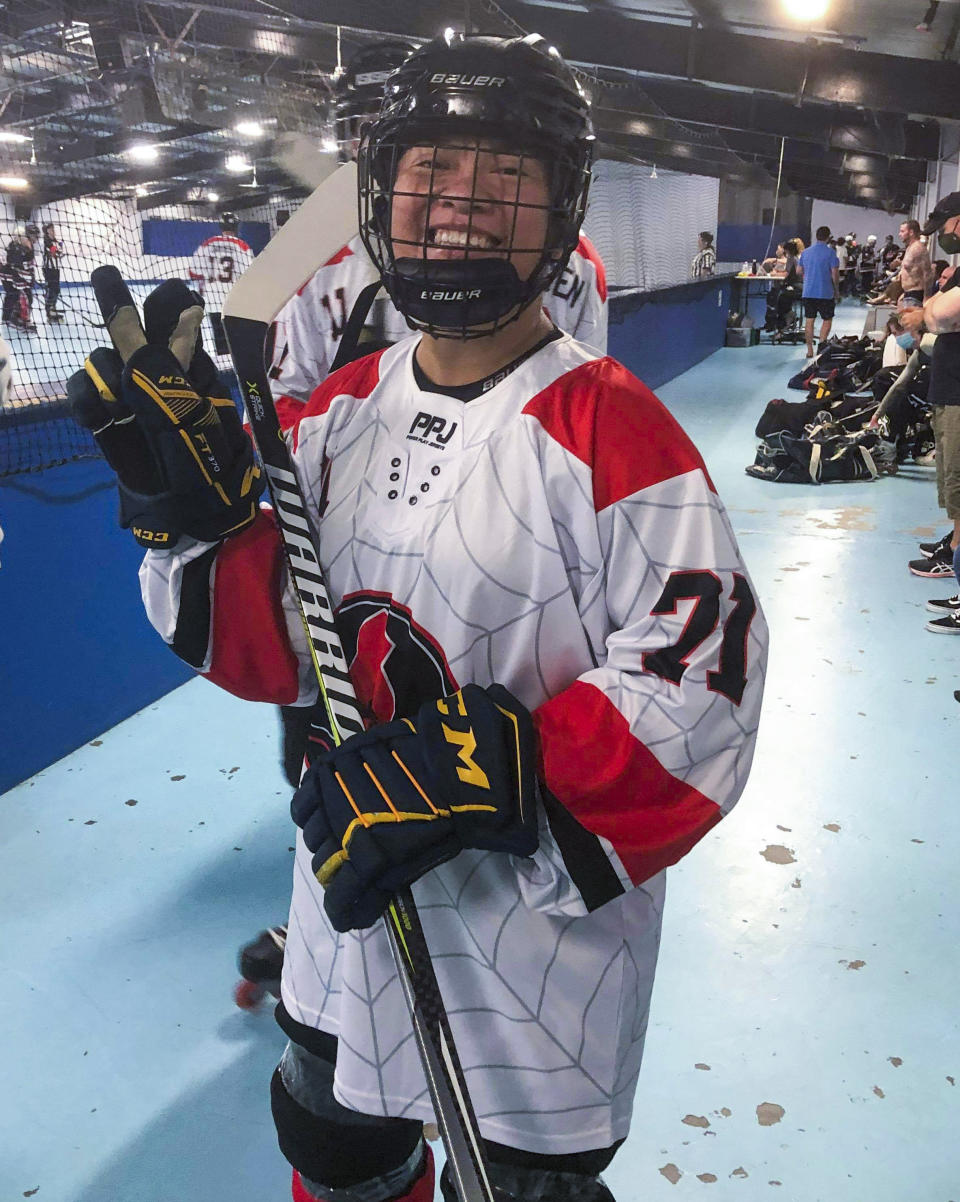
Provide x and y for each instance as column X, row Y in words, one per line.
column 548, row 622
column 307, row 331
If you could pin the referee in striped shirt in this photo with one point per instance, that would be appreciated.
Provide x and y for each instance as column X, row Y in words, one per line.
column 705, row 262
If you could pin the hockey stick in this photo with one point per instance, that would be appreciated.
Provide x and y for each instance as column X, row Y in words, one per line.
column 321, row 226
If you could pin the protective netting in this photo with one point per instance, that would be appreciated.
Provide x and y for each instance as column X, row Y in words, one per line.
column 51, row 319
column 123, row 138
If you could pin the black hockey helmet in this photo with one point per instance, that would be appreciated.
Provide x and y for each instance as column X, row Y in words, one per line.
column 358, row 91
column 230, row 222
column 32, row 230
column 516, row 95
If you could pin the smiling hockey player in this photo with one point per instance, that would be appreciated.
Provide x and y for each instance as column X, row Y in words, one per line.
column 534, row 580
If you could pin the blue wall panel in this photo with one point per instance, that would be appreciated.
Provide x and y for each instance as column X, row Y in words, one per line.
column 163, row 236
column 658, row 335
column 736, row 243
column 76, row 650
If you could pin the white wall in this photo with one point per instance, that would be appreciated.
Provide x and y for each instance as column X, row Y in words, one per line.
column 646, row 229
column 843, row 218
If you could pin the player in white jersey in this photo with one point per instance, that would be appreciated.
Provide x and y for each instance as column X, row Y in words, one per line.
column 217, row 264
column 539, row 594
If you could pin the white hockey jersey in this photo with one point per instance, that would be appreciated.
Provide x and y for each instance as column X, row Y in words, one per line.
column 308, row 328
column 558, row 534
column 217, row 264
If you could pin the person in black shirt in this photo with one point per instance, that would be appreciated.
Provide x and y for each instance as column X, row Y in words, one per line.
column 52, row 253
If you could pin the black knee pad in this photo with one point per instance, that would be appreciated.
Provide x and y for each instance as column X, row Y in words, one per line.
column 333, row 1144
column 513, row 1183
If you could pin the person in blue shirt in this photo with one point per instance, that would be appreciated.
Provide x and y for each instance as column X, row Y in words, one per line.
column 821, row 286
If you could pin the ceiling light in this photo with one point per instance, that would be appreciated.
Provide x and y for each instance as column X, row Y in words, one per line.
column 213, row 197
column 249, row 129
column 143, row 152
column 140, row 190
column 7, row 135
column 237, row 164
column 329, row 146
column 806, row 10
column 13, row 182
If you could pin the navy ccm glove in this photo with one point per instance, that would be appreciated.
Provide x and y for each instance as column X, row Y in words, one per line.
column 183, row 462
column 391, row 803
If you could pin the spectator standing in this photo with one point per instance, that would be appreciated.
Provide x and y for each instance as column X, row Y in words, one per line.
column 821, row 284
column 868, row 264
column 940, row 315
column 916, row 270
column 841, row 251
column 889, row 252
column 705, row 261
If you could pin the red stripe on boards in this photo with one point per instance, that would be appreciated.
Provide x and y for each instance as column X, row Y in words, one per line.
column 614, row 785
column 613, row 423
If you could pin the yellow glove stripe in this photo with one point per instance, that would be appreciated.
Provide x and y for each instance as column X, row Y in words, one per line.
column 329, row 868
column 413, row 781
column 221, row 402
column 516, row 743
column 193, row 451
column 380, row 789
column 252, row 473
column 353, row 804
column 147, row 385
column 473, row 809
column 252, row 513
column 98, row 381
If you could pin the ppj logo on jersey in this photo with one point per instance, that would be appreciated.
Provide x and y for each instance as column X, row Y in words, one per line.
column 432, row 431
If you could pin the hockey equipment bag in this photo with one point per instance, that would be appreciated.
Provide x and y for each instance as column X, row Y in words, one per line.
column 183, row 462
column 837, row 353
column 785, row 459
column 392, row 802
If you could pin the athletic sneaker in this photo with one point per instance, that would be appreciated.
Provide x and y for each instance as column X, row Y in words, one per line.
column 949, row 605
column 948, row 625
column 936, row 567
column 942, row 544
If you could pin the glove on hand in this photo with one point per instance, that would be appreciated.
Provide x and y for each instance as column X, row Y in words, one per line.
column 184, row 464
column 391, row 803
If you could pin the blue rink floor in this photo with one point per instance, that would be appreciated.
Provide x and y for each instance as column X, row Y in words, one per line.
column 803, row 1043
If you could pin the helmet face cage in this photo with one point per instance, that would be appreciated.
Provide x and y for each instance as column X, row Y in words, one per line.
column 471, row 100
column 480, row 290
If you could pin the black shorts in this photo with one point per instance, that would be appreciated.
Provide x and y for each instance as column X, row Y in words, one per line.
column 813, row 307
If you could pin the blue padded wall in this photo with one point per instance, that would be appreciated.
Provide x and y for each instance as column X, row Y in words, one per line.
column 658, row 335
column 170, row 237
column 77, row 651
